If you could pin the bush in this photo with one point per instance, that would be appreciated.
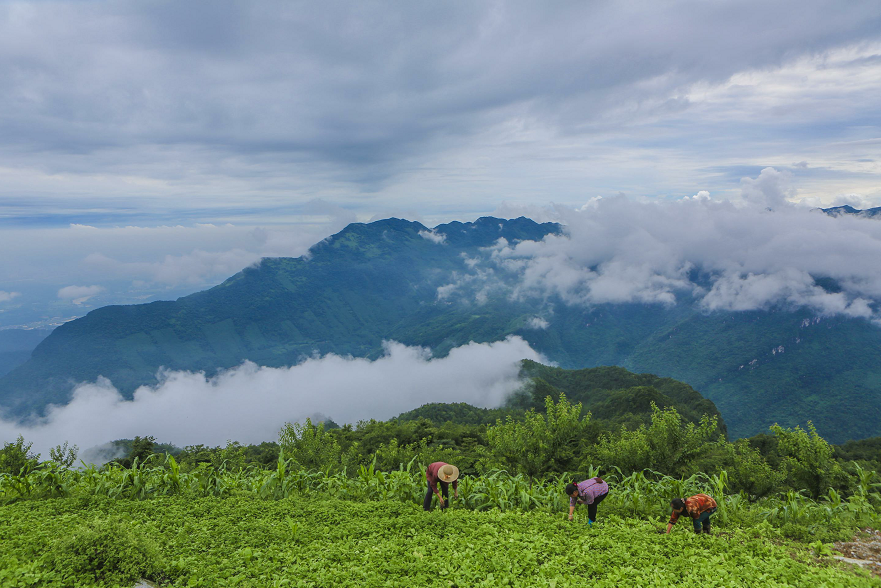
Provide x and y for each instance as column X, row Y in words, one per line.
column 668, row 445
column 540, row 443
column 749, row 472
column 310, row 445
column 106, row 552
column 16, row 458
column 808, row 460
column 64, row 455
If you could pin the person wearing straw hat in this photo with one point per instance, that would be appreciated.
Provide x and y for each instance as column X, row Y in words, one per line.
column 441, row 474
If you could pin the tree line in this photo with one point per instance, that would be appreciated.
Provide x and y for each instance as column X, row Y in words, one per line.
column 561, row 438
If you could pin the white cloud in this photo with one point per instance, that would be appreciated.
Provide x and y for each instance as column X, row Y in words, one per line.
column 193, row 268
column 789, row 286
column 79, row 294
column 857, row 201
column 702, row 195
column 250, row 403
column 7, row 296
column 772, row 189
column 726, row 255
column 538, row 322
column 438, row 238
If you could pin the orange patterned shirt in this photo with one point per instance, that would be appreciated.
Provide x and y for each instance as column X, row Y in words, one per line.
column 694, row 506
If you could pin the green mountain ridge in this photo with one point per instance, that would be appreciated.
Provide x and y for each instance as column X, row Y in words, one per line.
column 613, row 395
column 380, row 281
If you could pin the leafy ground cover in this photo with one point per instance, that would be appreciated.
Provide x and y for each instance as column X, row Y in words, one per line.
column 320, row 519
column 239, row 541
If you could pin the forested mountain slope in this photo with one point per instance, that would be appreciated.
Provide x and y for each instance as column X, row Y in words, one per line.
column 364, row 285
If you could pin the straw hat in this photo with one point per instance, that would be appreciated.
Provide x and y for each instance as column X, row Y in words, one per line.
column 448, row 473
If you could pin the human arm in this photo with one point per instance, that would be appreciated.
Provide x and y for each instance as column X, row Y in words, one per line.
column 455, row 488
column 674, row 516
column 432, row 480
column 571, row 511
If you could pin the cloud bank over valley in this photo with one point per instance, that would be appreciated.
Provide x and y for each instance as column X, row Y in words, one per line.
column 249, row 404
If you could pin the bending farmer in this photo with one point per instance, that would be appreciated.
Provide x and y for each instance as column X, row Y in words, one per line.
column 699, row 507
column 440, row 473
column 590, row 492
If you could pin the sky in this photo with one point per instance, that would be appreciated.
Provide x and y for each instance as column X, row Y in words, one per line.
column 152, row 149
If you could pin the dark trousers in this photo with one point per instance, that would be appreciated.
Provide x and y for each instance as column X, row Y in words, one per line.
column 445, row 490
column 703, row 520
column 592, row 508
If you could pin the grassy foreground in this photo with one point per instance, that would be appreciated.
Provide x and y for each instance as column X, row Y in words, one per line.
column 238, row 541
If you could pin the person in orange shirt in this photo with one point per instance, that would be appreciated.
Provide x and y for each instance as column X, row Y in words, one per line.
column 699, row 507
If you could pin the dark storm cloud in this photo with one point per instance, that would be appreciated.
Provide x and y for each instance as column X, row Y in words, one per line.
column 368, row 88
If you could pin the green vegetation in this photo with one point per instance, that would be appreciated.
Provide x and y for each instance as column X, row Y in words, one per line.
column 561, row 437
column 343, row 504
column 613, row 394
column 301, row 541
column 16, row 458
column 866, row 452
column 539, row 443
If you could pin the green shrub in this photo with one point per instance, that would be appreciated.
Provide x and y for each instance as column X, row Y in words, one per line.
column 310, row 445
column 106, row 552
column 808, row 460
column 539, row 443
column 669, row 445
column 749, row 472
column 16, row 458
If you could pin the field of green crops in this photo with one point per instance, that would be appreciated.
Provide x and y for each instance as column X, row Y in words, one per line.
column 223, row 522
column 239, row 541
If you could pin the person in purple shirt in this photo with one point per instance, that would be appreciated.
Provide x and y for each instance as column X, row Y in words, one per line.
column 590, row 492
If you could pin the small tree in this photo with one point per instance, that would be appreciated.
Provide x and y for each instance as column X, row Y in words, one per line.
column 667, row 445
column 142, row 448
column 231, row 458
column 63, row 455
column 539, row 443
column 17, row 458
column 309, row 445
column 749, row 472
column 808, row 460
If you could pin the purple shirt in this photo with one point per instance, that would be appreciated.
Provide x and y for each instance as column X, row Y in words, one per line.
column 588, row 491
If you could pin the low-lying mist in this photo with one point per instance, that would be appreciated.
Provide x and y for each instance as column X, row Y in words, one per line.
column 250, row 403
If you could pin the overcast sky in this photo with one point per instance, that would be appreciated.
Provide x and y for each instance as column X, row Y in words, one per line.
column 150, row 149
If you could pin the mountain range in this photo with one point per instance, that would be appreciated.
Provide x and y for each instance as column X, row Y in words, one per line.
column 392, row 280
column 848, row 210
